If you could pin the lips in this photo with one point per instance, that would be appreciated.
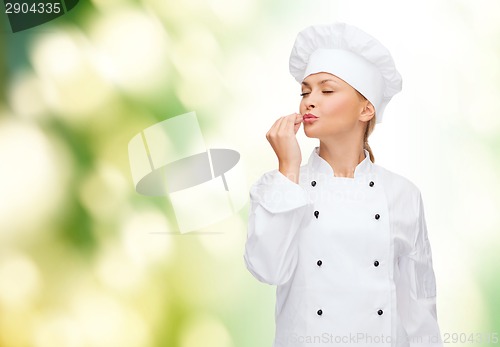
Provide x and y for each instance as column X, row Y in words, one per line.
column 308, row 116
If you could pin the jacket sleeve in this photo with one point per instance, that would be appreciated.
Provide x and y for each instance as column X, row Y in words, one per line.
column 417, row 289
column 277, row 210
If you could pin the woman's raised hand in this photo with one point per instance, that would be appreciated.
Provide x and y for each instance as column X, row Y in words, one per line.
column 282, row 138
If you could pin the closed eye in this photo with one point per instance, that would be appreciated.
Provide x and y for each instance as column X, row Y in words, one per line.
column 327, row 91
column 304, row 94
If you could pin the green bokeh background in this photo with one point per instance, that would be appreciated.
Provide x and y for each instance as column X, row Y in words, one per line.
column 86, row 261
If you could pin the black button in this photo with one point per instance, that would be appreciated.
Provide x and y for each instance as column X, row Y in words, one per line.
column 377, row 216
column 372, row 183
column 319, row 312
column 316, row 214
column 313, row 183
column 376, row 263
column 380, row 312
column 319, row 262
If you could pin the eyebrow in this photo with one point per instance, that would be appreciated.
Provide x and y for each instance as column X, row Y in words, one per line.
column 321, row 82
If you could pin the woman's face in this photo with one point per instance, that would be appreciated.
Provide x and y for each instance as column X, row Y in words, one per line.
column 337, row 106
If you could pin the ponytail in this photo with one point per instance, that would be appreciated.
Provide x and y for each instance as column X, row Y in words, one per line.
column 369, row 129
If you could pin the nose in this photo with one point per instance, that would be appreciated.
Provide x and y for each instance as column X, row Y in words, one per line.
column 310, row 104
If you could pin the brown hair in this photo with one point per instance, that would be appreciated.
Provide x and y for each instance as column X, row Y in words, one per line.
column 369, row 129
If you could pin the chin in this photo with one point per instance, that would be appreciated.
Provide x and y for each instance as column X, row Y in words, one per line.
column 311, row 134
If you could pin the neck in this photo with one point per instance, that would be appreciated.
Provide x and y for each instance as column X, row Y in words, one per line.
column 343, row 155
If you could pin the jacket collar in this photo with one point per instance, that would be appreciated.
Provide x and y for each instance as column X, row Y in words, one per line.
column 320, row 165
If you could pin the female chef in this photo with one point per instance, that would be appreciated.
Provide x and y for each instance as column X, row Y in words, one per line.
column 343, row 239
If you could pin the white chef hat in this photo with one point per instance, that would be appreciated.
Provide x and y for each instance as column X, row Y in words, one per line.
column 350, row 54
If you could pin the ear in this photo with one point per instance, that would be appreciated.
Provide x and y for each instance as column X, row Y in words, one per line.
column 367, row 112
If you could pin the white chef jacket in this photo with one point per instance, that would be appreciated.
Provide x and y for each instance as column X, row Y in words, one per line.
column 350, row 257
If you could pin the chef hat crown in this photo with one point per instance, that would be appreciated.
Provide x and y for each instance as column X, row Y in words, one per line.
column 350, row 54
